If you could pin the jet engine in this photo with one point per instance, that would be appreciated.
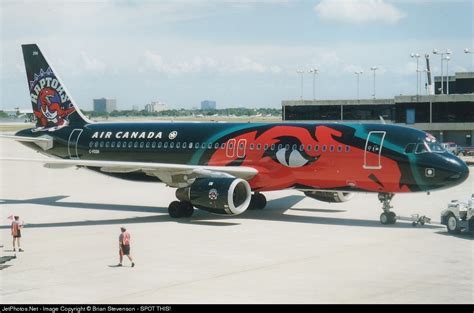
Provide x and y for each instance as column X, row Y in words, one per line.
column 329, row 196
column 226, row 196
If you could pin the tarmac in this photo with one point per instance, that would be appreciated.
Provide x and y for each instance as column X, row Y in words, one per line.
column 297, row 250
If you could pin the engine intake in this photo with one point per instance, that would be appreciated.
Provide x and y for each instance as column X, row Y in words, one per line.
column 330, row 196
column 226, row 196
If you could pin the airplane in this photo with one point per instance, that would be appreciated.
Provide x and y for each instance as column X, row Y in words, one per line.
column 224, row 168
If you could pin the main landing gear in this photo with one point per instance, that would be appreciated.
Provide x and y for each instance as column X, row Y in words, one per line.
column 257, row 201
column 387, row 217
column 178, row 209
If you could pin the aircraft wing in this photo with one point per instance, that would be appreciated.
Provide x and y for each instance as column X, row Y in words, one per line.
column 175, row 175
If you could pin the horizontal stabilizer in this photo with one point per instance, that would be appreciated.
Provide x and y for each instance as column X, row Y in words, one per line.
column 45, row 142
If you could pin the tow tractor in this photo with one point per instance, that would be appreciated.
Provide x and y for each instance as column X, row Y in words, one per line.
column 458, row 216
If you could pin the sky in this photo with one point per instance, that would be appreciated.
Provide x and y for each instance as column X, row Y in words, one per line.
column 238, row 53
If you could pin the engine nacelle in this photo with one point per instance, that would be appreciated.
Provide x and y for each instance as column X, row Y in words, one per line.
column 329, row 196
column 226, row 196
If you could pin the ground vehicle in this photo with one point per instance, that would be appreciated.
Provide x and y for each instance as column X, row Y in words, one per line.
column 458, row 216
column 467, row 151
column 452, row 147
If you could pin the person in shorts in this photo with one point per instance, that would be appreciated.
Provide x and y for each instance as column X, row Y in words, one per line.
column 124, row 246
column 16, row 233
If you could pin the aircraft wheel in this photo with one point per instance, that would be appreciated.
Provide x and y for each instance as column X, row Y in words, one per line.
column 174, row 209
column 392, row 217
column 187, row 209
column 453, row 224
column 384, row 218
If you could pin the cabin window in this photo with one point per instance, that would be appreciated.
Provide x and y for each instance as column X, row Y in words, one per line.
column 159, row 144
column 301, row 147
column 142, row 144
column 216, row 145
column 272, row 147
column 309, row 148
column 185, row 144
column 287, row 147
column 251, row 146
column 153, row 145
column 107, row 144
column 112, row 144
column 323, row 148
column 171, row 145
column 196, row 145
column 130, row 144
column 280, row 146
column 91, row 144
column 135, row 144
column 190, row 145
column 203, row 145
column 294, row 147
column 223, row 145
column 339, row 148
column 331, row 148
column 178, row 145
column 266, row 147
column 348, row 148
column 96, row 144
column 124, row 144
column 147, row 145
column 165, row 145
column 316, row 148
column 119, row 144
column 259, row 146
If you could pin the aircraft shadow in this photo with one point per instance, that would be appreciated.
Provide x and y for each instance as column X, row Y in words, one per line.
column 274, row 212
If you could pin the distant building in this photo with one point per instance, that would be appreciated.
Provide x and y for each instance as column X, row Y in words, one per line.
column 103, row 105
column 135, row 108
column 155, row 106
column 208, row 105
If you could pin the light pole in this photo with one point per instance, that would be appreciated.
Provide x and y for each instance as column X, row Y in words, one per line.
column 358, row 73
column 301, row 73
column 417, row 56
column 374, row 68
column 314, row 71
column 469, row 51
column 442, row 54
column 447, row 58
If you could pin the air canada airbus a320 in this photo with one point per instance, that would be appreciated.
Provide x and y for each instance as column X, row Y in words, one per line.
column 223, row 168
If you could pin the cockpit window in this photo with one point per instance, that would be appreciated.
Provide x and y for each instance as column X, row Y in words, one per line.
column 421, row 148
column 410, row 148
column 436, row 147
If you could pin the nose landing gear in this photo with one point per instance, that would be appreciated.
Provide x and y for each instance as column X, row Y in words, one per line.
column 387, row 217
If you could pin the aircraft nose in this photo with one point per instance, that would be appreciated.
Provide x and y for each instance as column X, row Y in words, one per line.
column 459, row 170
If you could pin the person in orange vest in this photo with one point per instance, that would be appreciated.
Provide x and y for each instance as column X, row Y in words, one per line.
column 124, row 246
column 16, row 232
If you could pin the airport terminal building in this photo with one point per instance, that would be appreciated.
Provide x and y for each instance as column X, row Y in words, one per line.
column 449, row 117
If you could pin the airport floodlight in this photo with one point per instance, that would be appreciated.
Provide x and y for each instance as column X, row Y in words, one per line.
column 315, row 71
column 374, row 68
column 442, row 54
column 358, row 73
column 417, row 56
column 301, row 72
column 447, row 58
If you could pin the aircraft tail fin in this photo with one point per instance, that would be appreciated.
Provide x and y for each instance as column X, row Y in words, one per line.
column 52, row 105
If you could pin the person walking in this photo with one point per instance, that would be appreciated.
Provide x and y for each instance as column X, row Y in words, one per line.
column 16, row 233
column 124, row 246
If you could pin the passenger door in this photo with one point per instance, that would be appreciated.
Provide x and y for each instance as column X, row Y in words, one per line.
column 373, row 150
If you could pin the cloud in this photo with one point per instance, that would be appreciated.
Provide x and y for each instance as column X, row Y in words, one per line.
column 358, row 11
column 92, row 64
column 198, row 64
